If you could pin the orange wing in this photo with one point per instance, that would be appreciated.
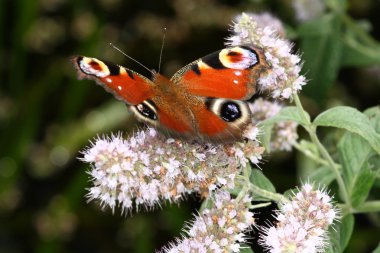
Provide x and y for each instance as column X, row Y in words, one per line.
column 228, row 73
column 126, row 85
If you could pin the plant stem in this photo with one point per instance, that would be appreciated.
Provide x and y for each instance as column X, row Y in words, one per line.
column 359, row 31
column 368, row 207
column 267, row 194
column 248, row 186
column 311, row 129
column 312, row 156
column 309, row 154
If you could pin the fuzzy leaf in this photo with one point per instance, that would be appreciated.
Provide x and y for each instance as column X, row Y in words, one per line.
column 363, row 184
column 246, row 249
column 260, row 180
column 357, row 54
column 323, row 175
column 340, row 234
column 322, row 50
column 289, row 113
column 354, row 152
column 351, row 120
column 377, row 250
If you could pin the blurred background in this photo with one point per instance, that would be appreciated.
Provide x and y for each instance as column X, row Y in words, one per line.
column 47, row 116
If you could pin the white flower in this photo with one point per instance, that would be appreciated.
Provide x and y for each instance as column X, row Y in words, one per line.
column 302, row 223
column 218, row 229
column 147, row 168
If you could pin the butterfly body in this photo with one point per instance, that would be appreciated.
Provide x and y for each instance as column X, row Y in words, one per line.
column 205, row 99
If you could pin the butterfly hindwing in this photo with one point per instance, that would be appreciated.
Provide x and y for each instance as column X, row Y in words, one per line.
column 223, row 80
column 126, row 85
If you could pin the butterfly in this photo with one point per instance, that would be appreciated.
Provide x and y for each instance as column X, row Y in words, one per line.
column 206, row 99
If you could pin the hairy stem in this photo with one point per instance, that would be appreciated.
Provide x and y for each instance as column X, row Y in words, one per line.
column 311, row 129
column 368, row 207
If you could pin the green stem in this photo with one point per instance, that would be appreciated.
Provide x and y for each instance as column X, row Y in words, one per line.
column 248, row 186
column 245, row 176
column 309, row 154
column 360, row 32
column 261, row 205
column 368, row 207
column 311, row 129
column 267, row 194
column 312, row 156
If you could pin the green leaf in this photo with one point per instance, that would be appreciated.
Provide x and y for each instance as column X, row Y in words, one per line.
column 340, row 234
column 289, row 113
column 245, row 249
column 346, row 228
column 321, row 49
column 377, row 250
column 266, row 136
column 260, row 180
column 357, row 54
column 323, row 175
column 351, row 120
column 373, row 114
column 354, row 152
column 363, row 184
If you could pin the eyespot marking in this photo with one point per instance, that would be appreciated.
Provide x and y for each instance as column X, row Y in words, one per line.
column 145, row 111
column 238, row 57
column 93, row 66
column 234, row 112
column 230, row 111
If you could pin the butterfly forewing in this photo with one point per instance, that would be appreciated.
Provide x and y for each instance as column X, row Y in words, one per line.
column 126, row 85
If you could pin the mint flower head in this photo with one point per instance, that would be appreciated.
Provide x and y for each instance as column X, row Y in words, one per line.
column 149, row 168
column 217, row 229
column 302, row 223
column 283, row 78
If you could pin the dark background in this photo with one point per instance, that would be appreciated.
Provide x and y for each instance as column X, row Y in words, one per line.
column 47, row 116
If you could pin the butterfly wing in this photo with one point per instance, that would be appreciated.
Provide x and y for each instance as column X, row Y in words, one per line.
column 151, row 101
column 228, row 73
column 223, row 80
column 126, row 85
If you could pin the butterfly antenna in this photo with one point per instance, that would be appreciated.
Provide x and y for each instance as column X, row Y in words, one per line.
column 129, row 57
column 162, row 49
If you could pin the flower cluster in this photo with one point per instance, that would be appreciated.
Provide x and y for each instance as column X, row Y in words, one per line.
column 284, row 134
column 302, row 223
column 219, row 228
column 148, row 168
column 283, row 79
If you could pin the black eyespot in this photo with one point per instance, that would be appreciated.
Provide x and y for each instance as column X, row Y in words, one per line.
column 230, row 111
column 146, row 111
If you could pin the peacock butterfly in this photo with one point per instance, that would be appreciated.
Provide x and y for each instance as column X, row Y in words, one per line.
column 205, row 99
